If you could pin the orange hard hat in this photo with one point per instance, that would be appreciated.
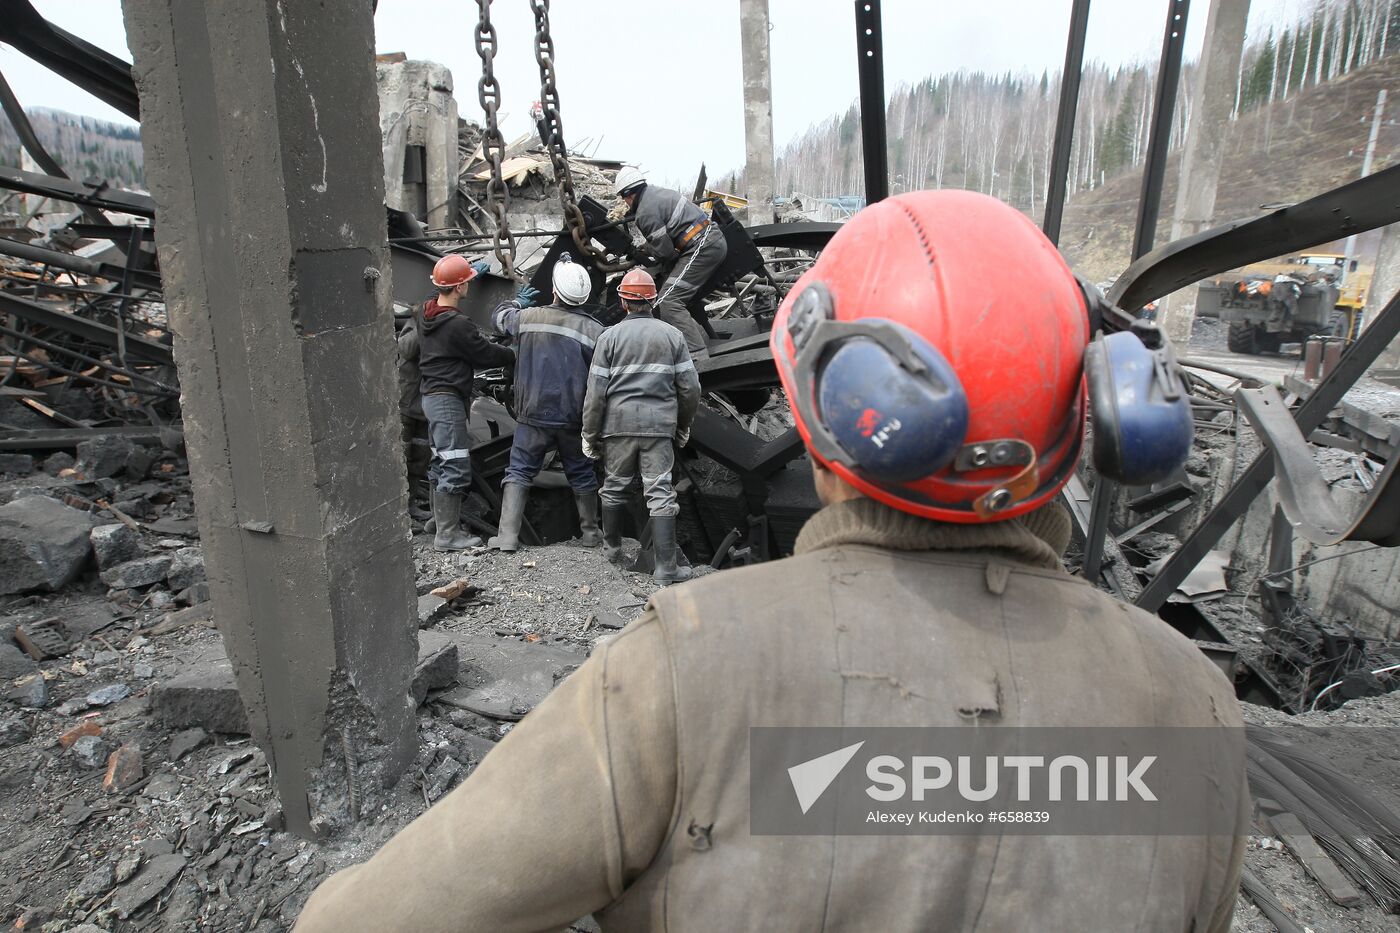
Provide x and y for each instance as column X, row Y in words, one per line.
column 637, row 285
column 933, row 357
column 452, row 270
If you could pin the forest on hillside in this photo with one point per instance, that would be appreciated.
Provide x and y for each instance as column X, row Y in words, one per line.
column 993, row 133
column 84, row 146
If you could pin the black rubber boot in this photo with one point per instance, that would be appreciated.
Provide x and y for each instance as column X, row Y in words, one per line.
column 613, row 517
column 590, row 535
column 513, row 497
column 430, row 526
column 447, row 512
column 663, row 543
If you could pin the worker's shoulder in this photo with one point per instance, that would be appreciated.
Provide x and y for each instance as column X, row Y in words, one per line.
column 769, row 584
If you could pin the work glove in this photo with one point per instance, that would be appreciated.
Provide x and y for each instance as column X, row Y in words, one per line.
column 527, row 297
column 683, row 437
column 589, row 451
column 617, row 212
column 481, row 266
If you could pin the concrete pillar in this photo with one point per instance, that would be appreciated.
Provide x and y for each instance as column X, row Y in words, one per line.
column 418, row 120
column 758, row 110
column 255, row 119
column 1384, row 284
column 1214, row 97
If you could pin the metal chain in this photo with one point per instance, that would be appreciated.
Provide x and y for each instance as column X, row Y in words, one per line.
column 553, row 139
column 493, row 145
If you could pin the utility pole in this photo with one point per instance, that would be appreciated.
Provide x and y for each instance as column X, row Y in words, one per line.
column 758, row 110
column 259, row 119
column 1205, row 145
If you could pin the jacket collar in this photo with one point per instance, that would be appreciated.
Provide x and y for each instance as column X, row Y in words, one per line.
column 1037, row 539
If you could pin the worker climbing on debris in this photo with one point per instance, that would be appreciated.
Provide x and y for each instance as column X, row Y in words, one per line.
column 682, row 238
column 642, row 395
column 451, row 348
column 934, row 357
column 553, row 351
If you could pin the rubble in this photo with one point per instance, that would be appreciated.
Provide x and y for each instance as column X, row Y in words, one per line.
column 143, row 571
column 103, row 456
column 124, row 768
column 115, row 544
column 91, row 751
column 43, row 544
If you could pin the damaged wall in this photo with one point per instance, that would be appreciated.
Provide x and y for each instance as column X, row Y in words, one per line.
column 418, row 124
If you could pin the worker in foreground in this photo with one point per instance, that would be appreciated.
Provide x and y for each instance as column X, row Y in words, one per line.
column 642, row 395
column 451, row 349
column 928, row 592
column 553, row 351
column 681, row 237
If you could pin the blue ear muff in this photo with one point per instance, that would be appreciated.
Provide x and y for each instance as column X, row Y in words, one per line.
column 896, row 424
column 1141, row 413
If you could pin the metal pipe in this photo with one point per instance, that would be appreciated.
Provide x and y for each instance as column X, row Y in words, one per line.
column 870, row 66
column 25, row 131
column 1064, row 124
column 1098, row 527
column 1164, row 104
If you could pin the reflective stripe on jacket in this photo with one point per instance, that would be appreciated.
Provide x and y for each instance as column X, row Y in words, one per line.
column 663, row 216
column 642, row 382
column 553, row 349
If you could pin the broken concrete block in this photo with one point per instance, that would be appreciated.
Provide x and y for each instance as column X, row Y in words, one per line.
column 430, row 609
column 56, row 463
column 14, row 730
column 106, row 696
column 98, row 881
column 124, row 768
column 139, row 461
column 186, row 569
column 194, row 595
column 17, row 464
column 91, row 751
column 14, row 663
column 205, row 695
column 31, row 692
column 143, row 571
column 163, row 787
column 43, row 544
column 442, row 777
column 150, row 881
column 86, row 727
column 437, row 665
column 114, row 544
column 182, row 743
column 103, row 456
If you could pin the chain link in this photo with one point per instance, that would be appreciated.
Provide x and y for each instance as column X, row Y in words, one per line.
column 493, row 145
column 553, row 139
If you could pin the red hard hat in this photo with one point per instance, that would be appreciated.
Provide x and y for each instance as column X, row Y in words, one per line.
column 933, row 358
column 452, row 270
column 637, row 285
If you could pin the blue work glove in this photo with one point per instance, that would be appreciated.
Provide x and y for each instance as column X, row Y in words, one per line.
column 527, row 297
column 481, row 267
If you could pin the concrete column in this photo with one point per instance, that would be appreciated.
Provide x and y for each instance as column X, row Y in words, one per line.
column 758, row 110
column 416, row 108
column 259, row 123
column 1384, row 284
column 1214, row 96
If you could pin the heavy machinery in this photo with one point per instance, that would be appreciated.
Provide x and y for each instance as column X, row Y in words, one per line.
column 1269, row 304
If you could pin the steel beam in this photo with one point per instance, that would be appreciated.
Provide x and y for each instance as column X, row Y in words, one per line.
column 812, row 235
column 80, row 264
column 101, row 197
column 1164, row 104
column 138, row 347
column 95, row 70
column 1064, row 122
column 870, row 66
column 1256, row 477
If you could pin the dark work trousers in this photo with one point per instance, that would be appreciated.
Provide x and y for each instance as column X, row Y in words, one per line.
column 652, row 457
column 532, row 444
column 688, row 273
column 451, row 468
column 418, row 451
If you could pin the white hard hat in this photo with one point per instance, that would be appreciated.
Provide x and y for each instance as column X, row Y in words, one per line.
column 571, row 282
column 629, row 176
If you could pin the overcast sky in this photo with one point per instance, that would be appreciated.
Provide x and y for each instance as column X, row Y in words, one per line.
column 659, row 82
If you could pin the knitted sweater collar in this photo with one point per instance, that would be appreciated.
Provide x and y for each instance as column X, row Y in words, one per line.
column 1037, row 538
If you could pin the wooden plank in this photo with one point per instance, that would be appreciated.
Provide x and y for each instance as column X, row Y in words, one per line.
column 1317, row 862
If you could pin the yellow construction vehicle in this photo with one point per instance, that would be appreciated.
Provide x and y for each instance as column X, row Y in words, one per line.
column 1287, row 300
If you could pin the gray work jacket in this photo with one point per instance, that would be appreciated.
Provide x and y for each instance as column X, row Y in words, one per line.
column 642, row 382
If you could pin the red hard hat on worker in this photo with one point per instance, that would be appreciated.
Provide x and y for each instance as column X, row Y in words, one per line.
column 637, row 285
column 452, row 270
column 933, row 357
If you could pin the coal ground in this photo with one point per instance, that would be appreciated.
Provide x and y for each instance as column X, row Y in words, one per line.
column 196, row 843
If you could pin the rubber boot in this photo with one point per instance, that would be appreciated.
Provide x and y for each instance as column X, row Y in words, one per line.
column 663, row 543
column 447, row 512
column 590, row 535
column 430, row 526
column 513, row 497
column 613, row 517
